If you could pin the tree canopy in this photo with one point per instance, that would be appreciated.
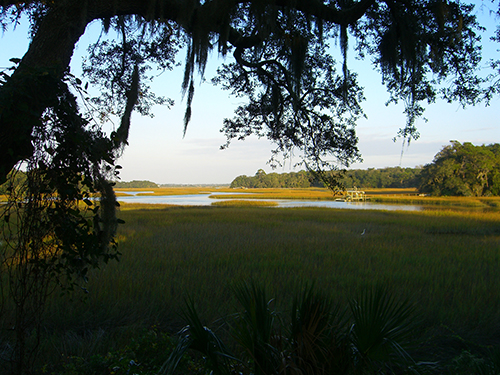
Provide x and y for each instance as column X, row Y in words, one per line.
column 463, row 170
column 395, row 177
column 283, row 63
column 297, row 94
column 136, row 184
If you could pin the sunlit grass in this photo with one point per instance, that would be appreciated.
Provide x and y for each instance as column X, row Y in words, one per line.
column 484, row 202
column 445, row 261
column 244, row 203
column 187, row 190
column 124, row 206
column 309, row 193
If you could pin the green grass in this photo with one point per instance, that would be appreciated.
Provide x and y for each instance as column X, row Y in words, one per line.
column 244, row 203
column 445, row 261
column 477, row 202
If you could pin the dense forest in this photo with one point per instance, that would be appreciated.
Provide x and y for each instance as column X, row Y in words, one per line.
column 20, row 177
column 395, row 177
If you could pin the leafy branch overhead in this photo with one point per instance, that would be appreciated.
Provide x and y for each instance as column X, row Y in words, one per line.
column 283, row 62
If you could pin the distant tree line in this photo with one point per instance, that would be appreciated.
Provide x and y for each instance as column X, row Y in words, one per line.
column 136, row 184
column 396, row 177
column 262, row 179
column 458, row 170
column 20, row 177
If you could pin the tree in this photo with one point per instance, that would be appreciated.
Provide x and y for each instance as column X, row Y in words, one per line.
column 53, row 231
column 282, row 62
column 135, row 184
column 297, row 96
column 462, row 169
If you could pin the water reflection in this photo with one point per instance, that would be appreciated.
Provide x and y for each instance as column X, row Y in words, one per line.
column 205, row 200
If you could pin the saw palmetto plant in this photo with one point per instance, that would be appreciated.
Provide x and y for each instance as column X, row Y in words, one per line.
column 316, row 337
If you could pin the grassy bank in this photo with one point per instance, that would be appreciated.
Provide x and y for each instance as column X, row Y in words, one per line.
column 473, row 202
column 310, row 193
column 446, row 262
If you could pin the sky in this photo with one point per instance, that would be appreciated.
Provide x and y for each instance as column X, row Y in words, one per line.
column 158, row 151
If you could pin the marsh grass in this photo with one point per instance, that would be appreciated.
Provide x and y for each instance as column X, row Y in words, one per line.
column 310, row 193
column 175, row 190
column 478, row 202
column 446, row 261
column 244, row 203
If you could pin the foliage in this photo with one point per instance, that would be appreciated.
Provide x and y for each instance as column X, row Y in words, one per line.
column 135, row 184
column 262, row 179
column 53, row 229
column 15, row 179
column 494, row 77
column 464, row 170
column 317, row 338
column 295, row 91
column 382, row 178
column 381, row 329
column 282, row 63
column 111, row 62
column 143, row 355
column 298, row 94
column 396, row 177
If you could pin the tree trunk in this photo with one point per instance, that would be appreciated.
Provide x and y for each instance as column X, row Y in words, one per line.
column 32, row 87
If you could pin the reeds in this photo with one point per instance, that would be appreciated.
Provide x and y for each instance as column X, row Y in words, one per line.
column 244, row 203
column 445, row 261
column 396, row 196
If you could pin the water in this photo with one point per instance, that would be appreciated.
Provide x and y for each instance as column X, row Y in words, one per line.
column 205, row 200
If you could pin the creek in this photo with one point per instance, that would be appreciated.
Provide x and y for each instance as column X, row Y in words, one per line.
column 205, row 200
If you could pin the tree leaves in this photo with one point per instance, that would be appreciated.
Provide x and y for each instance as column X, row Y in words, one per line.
column 463, row 170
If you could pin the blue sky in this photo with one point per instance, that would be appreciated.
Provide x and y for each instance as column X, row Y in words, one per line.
column 159, row 153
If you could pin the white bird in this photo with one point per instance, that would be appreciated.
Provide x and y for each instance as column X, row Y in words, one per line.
column 364, row 230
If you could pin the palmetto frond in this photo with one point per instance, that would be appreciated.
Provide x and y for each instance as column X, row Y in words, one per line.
column 381, row 328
